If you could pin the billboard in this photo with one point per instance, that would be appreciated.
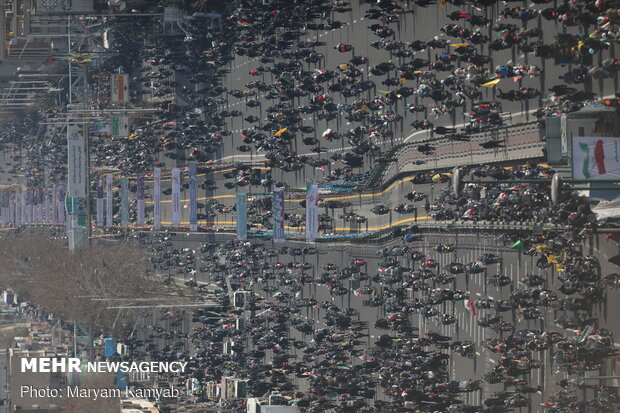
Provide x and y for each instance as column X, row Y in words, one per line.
column 119, row 126
column 596, row 158
column 119, row 84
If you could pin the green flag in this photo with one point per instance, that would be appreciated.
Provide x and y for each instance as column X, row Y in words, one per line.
column 518, row 246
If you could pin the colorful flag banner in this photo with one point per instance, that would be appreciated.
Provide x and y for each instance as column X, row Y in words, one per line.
column 469, row 306
column 491, row 84
column 312, row 212
column 176, row 197
column 595, row 158
column 157, row 199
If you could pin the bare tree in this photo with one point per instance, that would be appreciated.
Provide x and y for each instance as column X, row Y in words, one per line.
column 75, row 286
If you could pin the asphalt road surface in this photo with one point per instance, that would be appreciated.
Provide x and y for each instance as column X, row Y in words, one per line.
column 423, row 24
column 468, row 246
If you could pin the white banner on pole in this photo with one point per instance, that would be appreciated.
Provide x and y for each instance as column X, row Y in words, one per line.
column 109, row 201
column 140, row 199
column 46, row 206
column 54, row 206
column 39, row 206
column 24, row 207
column 100, row 203
column 176, row 197
column 242, row 215
column 61, row 205
column 12, row 208
column 312, row 212
column 157, row 199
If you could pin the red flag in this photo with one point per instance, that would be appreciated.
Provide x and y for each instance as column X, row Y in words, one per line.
column 599, row 156
column 614, row 236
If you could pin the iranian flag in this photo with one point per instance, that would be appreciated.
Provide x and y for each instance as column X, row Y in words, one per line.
column 548, row 406
column 501, row 198
column 583, row 335
column 469, row 213
column 393, row 316
column 242, row 23
column 327, row 133
column 276, row 293
column 356, row 293
column 469, row 306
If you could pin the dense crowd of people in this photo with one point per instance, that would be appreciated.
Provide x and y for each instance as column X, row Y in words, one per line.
column 281, row 347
